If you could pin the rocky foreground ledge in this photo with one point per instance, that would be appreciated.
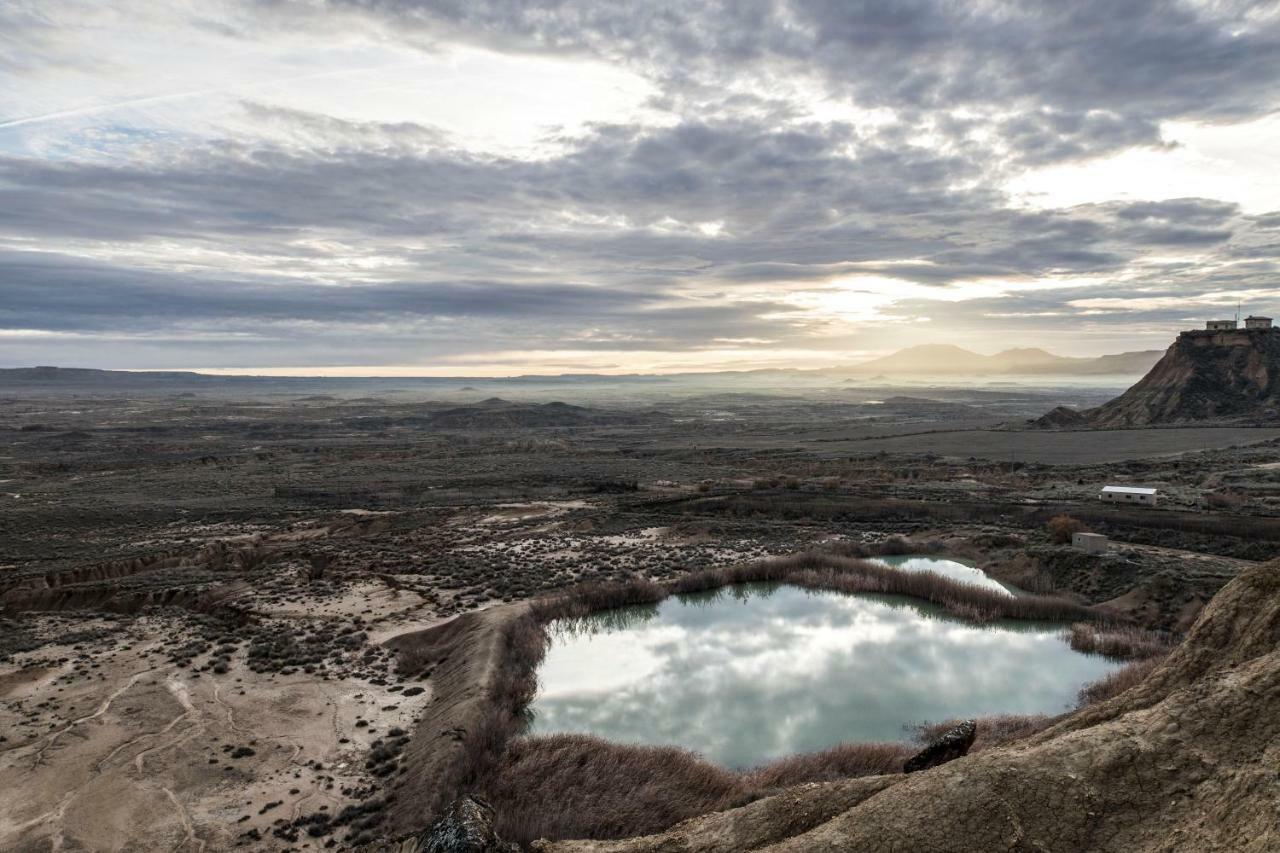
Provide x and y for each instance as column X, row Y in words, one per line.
column 1188, row 760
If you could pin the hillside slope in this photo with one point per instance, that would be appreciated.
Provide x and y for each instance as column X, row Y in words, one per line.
column 1184, row 761
column 1202, row 376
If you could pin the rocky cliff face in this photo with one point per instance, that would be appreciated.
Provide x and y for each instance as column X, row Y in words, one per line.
column 1203, row 376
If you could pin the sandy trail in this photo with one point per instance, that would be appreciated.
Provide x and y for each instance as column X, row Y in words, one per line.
column 185, row 818
column 102, row 709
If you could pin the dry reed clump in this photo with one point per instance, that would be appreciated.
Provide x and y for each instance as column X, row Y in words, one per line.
column 580, row 786
column 591, row 597
column 1128, row 642
column 827, row 570
column 817, row 570
column 1119, row 681
column 844, row 761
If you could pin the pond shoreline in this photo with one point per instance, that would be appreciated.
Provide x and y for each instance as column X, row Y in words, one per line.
column 537, row 782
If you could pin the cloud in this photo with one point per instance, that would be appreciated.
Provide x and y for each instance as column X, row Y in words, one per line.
column 1157, row 59
column 785, row 153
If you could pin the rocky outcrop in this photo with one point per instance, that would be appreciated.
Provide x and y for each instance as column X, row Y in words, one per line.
column 1061, row 418
column 1203, row 376
column 465, row 827
column 1184, row 761
column 953, row 744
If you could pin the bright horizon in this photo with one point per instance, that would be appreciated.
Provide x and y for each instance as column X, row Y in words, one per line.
column 534, row 368
column 346, row 188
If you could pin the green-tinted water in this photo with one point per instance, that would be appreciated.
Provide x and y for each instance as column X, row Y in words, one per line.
column 749, row 673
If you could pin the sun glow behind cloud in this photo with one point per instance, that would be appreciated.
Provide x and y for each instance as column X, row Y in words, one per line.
column 1239, row 162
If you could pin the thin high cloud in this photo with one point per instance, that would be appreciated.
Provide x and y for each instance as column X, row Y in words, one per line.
column 805, row 182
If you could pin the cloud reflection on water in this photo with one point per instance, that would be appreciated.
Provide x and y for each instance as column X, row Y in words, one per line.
column 749, row 674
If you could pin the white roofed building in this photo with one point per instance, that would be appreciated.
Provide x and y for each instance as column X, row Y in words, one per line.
column 1090, row 543
column 1130, row 495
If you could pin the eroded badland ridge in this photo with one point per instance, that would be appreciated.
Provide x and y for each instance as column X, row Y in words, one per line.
column 1231, row 375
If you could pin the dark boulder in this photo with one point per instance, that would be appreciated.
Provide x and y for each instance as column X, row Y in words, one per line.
column 465, row 827
column 952, row 745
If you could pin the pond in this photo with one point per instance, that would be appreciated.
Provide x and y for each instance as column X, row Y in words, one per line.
column 750, row 673
column 954, row 569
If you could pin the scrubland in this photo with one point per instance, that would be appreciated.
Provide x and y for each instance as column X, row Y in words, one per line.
column 208, row 602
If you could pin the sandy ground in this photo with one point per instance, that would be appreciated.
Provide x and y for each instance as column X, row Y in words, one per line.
column 135, row 753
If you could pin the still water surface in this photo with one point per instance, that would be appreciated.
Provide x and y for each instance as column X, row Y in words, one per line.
column 749, row 673
column 954, row 569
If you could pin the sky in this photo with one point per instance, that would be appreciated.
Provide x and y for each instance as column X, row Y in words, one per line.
column 498, row 187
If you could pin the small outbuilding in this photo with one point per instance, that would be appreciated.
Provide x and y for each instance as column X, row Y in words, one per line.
column 1090, row 543
column 1130, row 495
column 1220, row 325
column 1257, row 322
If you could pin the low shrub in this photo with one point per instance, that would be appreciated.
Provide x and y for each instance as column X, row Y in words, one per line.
column 1119, row 681
column 1063, row 527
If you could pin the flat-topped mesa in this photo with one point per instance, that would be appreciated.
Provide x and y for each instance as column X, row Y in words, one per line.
column 1221, row 372
column 1205, row 374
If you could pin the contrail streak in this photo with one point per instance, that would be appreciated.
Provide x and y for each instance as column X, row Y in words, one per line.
column 194, row 93
column 100, row 108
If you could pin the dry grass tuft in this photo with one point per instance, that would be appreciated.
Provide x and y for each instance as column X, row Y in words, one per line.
column 845, row 761
column 1119, row 681
column 579, row 786
column 1128, row 642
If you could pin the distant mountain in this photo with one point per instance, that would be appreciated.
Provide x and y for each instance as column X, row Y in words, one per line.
column 57, row 376
column 932, row 360
column 947, row 360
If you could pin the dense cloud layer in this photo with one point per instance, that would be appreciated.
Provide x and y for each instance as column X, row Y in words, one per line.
column 796, row 169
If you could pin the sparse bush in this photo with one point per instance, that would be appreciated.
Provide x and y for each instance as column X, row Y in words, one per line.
column 1063, row 527
column 317, row 565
